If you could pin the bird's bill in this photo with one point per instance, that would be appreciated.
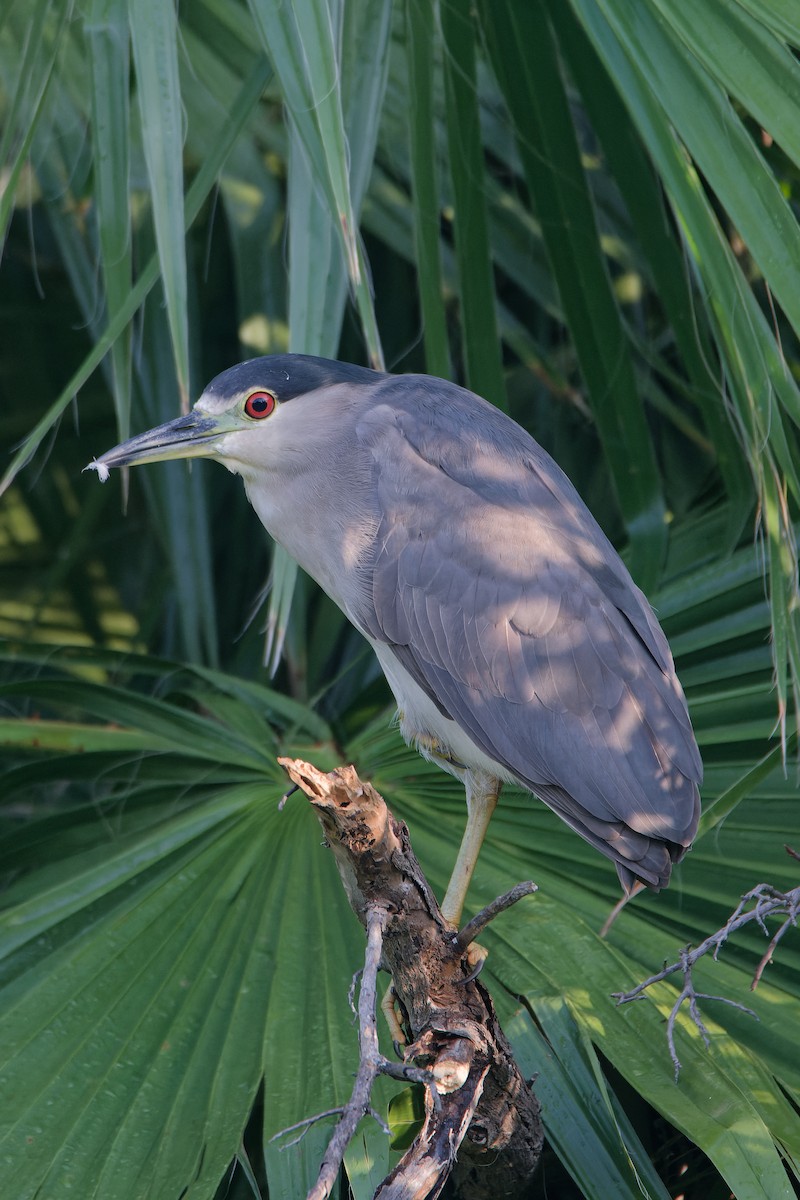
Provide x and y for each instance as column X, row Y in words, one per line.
column 193, row 436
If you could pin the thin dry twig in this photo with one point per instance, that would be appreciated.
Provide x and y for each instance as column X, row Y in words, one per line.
column 760, row 903
column 371, row 1062
column 474, row 928
column 304, row 1126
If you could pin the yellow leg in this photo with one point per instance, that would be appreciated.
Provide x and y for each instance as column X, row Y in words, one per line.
column 482, row 793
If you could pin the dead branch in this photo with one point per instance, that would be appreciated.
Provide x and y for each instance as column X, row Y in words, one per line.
column 760, row 903
column 474, row 928
column 481, row 1125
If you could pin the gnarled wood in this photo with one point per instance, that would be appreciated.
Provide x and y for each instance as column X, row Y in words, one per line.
column 482, row 1121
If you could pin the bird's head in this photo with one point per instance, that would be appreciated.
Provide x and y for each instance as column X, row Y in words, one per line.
column 244, row 418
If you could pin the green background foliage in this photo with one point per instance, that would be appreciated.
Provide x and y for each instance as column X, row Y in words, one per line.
column 588, row 212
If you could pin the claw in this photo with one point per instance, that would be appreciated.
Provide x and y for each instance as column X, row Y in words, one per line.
column 476, row 958
column 475, row 972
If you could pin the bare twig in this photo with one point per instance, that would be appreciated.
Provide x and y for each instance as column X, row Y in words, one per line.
column 371, row 1064
column 304, row 1126
column 351, row 992
column 474, row 928
column 690, row 996
column 370, row 1060
column 767, row 959
column 760, row 903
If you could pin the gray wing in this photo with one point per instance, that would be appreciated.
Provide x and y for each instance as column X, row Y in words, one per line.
column 502, row 597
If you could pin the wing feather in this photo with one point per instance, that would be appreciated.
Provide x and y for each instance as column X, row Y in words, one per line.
column 500, row 593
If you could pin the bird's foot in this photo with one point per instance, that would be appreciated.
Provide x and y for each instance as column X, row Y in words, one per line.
column 393, row 1012
column 390, row 1007
column 476, row 956
column 473, row 952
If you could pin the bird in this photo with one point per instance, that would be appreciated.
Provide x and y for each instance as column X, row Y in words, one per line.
column 516, row 644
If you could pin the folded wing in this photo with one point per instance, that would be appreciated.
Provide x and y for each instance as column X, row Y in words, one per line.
column 503, row 599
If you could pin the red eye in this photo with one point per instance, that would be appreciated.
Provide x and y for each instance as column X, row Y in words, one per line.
column 259, row 405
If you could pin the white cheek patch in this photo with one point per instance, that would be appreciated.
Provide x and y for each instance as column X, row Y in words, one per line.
column 101, row 468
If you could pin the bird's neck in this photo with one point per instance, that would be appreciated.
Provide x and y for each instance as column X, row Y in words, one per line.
column 314, row 530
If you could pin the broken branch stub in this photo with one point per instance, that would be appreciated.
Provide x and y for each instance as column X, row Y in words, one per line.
column 482, row 1125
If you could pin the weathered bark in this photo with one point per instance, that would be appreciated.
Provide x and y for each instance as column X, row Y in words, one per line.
column 482, row 1120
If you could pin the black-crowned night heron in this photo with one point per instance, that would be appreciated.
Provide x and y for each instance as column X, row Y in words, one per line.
column 513, row 638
